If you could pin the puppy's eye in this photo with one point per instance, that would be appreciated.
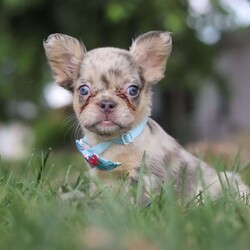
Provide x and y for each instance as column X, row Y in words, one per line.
column 133, row 90
column 84, row 90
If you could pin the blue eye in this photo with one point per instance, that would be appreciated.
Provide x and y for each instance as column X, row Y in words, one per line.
column 84, row 90
column 133, row 90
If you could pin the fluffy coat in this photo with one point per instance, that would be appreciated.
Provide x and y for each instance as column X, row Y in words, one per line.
column 112, row 94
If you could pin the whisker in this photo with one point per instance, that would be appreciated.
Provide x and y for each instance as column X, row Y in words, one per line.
column 77, row 131
column 70, row 122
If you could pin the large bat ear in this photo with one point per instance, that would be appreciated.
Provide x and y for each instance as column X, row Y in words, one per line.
column 64, row 54
column 151, row 51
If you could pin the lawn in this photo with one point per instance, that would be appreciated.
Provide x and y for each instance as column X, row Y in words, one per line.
column 32, row 216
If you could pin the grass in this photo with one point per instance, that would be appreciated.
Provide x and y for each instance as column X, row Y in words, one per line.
column 32, row 216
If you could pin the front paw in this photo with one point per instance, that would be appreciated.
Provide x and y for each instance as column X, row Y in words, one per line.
column 67, row 193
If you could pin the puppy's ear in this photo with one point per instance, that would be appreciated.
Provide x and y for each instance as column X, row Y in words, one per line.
column 64, row 54
column 151, row 51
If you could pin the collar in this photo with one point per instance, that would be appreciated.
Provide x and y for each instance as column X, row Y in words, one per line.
column 92, row 156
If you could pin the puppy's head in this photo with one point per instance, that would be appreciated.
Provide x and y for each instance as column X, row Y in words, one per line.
column 111, row 86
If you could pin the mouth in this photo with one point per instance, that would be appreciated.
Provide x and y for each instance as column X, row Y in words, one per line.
column 106, row 123
column 106, row 127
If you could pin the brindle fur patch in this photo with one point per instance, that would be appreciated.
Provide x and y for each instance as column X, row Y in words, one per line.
column 115, row 72
column 128, row 57
column 105, row 81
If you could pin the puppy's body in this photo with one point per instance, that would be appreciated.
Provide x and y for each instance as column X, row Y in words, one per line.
column 112, row 95
column 166, row 161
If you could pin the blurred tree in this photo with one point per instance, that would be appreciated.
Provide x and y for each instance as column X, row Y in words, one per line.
column 24, row 24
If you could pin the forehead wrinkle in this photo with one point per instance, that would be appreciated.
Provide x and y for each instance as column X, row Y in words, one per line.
column 110, row 67
column 115, row 72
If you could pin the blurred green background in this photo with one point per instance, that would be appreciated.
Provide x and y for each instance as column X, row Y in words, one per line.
column 204, row 34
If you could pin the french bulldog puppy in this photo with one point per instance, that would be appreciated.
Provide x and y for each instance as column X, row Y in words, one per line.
column 112, row 100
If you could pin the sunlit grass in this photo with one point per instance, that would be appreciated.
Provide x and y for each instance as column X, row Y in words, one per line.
column 32, row 216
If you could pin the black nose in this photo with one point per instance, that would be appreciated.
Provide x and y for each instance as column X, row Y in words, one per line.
column 107, row 106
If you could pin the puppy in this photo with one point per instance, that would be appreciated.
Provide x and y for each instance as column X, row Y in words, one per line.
column 111, row 90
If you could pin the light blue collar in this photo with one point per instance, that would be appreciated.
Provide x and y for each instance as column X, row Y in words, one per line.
column 92, row 156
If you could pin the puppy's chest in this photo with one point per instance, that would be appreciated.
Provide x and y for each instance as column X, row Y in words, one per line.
column 130, row 157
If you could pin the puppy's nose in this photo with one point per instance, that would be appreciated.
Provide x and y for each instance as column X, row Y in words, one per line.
column 107, row 106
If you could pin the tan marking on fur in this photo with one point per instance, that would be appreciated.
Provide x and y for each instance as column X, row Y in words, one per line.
column 83, row 106
column 126, row 99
